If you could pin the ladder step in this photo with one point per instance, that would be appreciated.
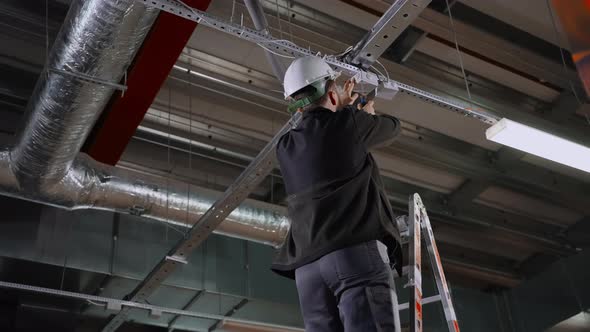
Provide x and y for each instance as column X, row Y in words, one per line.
column 426, row 300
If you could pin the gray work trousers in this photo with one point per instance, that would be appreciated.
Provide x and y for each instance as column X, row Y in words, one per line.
column 348, row 290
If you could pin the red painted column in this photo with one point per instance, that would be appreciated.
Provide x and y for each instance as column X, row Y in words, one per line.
column 150, row 69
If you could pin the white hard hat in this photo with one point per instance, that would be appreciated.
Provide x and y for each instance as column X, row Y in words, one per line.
column 306, row 71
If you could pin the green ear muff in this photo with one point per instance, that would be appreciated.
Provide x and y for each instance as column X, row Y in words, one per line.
column 320, row 90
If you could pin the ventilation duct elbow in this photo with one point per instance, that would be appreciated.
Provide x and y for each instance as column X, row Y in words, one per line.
column 99, row 39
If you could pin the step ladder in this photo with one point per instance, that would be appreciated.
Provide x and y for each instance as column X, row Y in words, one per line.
column 411, row 229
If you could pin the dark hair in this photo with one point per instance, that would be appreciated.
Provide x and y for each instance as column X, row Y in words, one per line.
column 310, row 90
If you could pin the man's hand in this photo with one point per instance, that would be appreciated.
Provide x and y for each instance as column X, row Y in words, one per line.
column 370, row 107
column 347, row 96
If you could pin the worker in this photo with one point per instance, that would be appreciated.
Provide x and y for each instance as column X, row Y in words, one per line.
column 343, row 241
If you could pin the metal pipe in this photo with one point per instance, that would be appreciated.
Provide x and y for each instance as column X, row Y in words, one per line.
column 261, row 24
column 98, row 41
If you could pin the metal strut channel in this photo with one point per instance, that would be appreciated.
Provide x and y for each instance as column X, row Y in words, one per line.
column 391, row 24
column 116, row 303
column 231, row 198
column 288, row 48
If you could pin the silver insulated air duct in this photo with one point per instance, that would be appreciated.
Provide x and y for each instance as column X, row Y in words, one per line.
column 97, row 43
column 98, row 40
column 89, row 184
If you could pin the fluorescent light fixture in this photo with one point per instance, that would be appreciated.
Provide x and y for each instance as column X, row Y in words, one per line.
column 540, row 143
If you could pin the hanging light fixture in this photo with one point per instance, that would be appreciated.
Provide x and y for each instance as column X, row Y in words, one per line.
column 540, row 143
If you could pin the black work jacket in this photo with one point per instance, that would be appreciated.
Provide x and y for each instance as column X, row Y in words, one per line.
column 335, row 193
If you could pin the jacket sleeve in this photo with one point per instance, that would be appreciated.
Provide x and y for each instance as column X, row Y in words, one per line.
column 375, row 130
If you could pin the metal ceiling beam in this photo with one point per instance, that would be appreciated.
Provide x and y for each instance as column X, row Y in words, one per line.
column 404, row 46
column 469, row 190
column 501, row 50
column 389, row 26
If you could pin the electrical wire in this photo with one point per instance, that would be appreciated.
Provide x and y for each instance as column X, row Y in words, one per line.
column 279, row 19
column 46, row 32
column 339, row 56
column 279, row 41
column 344, row 53
column 289, row 4
column 169, row 164
column 377, row 71
column 96, row 303
column 178, row 230
column 190, row 133
column 233, row 10
column 459, row 53
column 385, row 69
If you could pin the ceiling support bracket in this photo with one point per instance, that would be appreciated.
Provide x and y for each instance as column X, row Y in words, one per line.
column 390, row 26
